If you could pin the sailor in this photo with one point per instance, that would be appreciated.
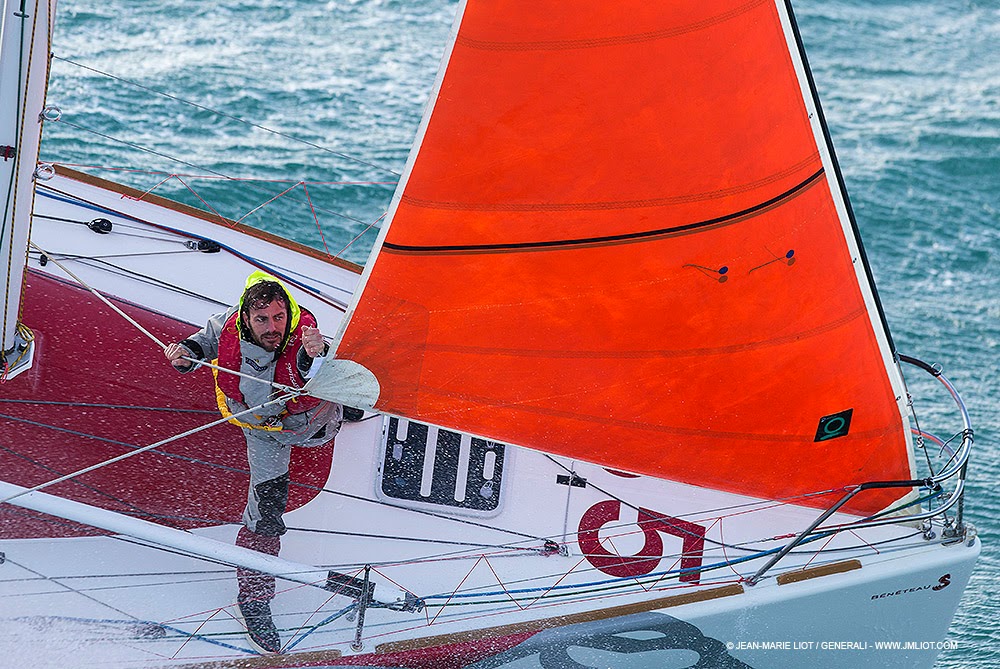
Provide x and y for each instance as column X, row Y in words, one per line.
column 267, row 336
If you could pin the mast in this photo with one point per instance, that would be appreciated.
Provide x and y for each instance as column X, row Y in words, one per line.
column 25, row 38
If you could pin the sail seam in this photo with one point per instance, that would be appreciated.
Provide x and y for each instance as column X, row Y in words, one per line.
column 598, row 42
column 633, row 355
column 625, row 238
column 874, row 433
column 807, row 162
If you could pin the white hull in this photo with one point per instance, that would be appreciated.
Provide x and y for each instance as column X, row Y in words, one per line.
column 821, row 622
column 492, row 590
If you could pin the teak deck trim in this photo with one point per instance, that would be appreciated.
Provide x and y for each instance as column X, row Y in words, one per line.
column 315, row 658
column 208, row 217
column 816, row 572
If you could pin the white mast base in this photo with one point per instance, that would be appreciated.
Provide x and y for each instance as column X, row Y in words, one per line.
column 19, row 357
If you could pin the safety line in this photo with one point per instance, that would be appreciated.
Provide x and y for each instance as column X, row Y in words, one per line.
column 291, row 392
column 162, row 442
column 96, row 405
column 41, row 465
column 229, row 116
column 305, row 486
column 111, row 268
column 441, row 556
column 48, row 191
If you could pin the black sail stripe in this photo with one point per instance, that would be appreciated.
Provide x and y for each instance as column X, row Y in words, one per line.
column 627, row 238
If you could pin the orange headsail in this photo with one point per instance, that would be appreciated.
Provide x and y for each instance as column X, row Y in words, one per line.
column 621, row 238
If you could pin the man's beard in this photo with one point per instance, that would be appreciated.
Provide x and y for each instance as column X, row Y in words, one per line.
column 269, row 341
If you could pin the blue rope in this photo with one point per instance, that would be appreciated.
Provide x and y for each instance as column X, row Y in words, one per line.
column 326, row 621
column 60, row 197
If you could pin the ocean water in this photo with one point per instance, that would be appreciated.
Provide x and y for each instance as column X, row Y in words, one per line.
column 321, row 100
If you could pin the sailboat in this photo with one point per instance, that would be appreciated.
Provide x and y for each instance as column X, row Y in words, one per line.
column 630, row 398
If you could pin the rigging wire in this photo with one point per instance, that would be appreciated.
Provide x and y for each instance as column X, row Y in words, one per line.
column 145, row 235
column 162, row 442
column 160, row 238
column 211, row 173
column 281, row 273
column 743, row 546
column 419, row 540
column 101, row 297
column 620, row 500
column 254, row 183
column 58, row 582
column 137, row 254
column 306, row 486
column 41, row 465
column 748, row 545
column 288, row 390
column 323, row 623
column 98, row 405
column 111, row 268
column 230, row 116
column 192, row 175
column 139, row 147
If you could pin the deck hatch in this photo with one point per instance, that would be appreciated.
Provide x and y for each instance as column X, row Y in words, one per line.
column 428, row 466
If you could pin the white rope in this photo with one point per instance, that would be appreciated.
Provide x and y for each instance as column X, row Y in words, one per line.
column 98, row 295
column 295, row 392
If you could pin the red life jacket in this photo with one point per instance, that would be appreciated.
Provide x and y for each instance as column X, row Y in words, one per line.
column 286, row 372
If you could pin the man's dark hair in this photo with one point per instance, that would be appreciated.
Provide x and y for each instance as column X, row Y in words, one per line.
column 258, row 296
column 262, row 294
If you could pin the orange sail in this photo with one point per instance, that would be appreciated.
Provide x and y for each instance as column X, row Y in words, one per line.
column 622, row 238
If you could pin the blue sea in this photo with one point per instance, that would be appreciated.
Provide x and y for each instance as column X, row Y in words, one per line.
column 322, row 100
